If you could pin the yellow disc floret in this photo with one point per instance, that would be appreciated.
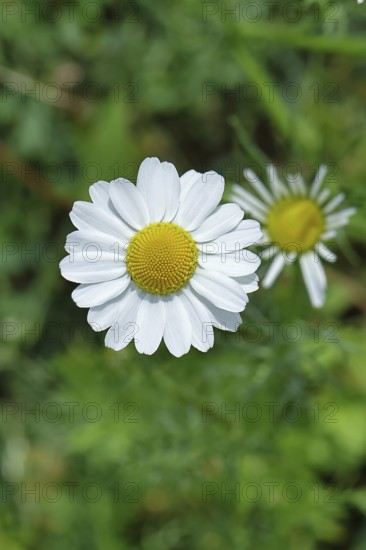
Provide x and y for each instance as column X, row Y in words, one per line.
column 295, row 224
column 161, row 258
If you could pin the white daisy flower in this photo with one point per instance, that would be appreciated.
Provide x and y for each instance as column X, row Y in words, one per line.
column 161, row 260
column 296, row 221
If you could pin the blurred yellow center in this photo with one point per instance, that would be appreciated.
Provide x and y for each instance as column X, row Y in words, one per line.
column 295, row 224
column 161, row 258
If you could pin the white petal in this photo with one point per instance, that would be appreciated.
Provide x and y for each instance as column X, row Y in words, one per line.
column 200, row 201
column 332, row 205
column 323, row 195
column 160, row 186
column 274, row 270
column 224, row 320
column 235, row 264
column 314, row 278
column 151, row 186
column 151, row 324
column 269, row 252
column 297, row 184
column 337, row 223
column 246, row 233
column 204, row 315
column 293, row 185
column 99, row 193
column 339, row 219
column 187, row 181
column 301, row 184
column 202, row 333
column 258, row 185
column 79, row 269
column 88, row 216
column 249, row 283
column 328, row 235
column 178, row 328
column 220, row 318
column 265, row 237
column 318, row 270
column 248, row 202
column 223, row 219
column 103, row 316
column 278, row 188
column 95, row 294
column 220, row 290
column 129, row 203
column 124, row 328
column 318, row 180
column 325, row 253
column 83, row 240
column 172, row 191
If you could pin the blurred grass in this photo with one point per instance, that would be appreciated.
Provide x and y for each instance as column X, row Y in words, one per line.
column 150, row 68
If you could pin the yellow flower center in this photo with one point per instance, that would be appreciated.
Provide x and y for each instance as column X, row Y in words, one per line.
column 295, row 224
column 161, row 258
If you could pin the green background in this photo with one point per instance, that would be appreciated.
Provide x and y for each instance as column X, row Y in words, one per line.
column 125, row 451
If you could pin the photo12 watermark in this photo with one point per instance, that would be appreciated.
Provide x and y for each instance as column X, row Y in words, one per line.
column 269, row 411
column 246, row 13
column 69, row 332
column 69, row 491
column 70, row 412
column 69, row 12
column 67, row 95
column 269, row 492
column 253, row 92
column 69, row 172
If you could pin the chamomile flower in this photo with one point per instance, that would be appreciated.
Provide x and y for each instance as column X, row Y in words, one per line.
column 161, row 260
column 297, row 221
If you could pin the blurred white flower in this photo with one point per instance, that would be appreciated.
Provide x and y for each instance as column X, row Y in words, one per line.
column 296, row 221
column 161, row 260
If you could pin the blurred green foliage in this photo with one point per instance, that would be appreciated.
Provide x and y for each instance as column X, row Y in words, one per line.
column 151, row 451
